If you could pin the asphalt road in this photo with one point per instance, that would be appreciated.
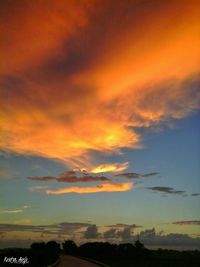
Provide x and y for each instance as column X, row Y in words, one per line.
column 70, row 261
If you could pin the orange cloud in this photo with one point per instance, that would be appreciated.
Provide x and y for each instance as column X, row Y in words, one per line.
column 75, row 82
column 115, row 167
column 93, row 189
column 163, row 46
column 32, row 31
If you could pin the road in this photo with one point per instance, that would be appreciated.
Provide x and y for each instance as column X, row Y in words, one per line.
column 70, row 261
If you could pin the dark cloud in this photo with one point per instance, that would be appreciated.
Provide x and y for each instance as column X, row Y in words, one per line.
column 121, row 231
column 150, row 174
column 84, row 179
column 111, row 233
column 171, row 241
column 125, row 235
column 152, row 239
column 148, row 233
column 167, row 190
column 195, row 194
column 72, row 177
column 129, row 175
column 195, row 222
column 133, row 175
column 44, row 178
column 68, row 173
column 91, row 232
column 123, row 225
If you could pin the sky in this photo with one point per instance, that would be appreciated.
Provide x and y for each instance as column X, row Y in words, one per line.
column 99, row 111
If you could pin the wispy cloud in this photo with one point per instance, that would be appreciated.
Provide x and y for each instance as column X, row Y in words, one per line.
column 11, row 211
column 42, row 179
column 14, row 210
column 38, row 188
column 108, row 187
column 60, row 228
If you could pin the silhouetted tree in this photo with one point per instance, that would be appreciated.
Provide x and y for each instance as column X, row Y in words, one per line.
column 138, row 244
column 52, row 251
column 38, row 253
column 70, row 247
column 45, row 254
column 53, row 247
column 38, row 246
column 126, row 250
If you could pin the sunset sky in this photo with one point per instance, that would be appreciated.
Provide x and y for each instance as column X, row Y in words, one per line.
column 99, row 114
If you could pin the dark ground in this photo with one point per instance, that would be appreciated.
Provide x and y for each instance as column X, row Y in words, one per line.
column 122, row 255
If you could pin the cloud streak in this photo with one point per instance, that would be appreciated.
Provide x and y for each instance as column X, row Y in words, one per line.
column 60, row 228
column 108, row 187
column 129, row 175
column 14, row 211
column 150, row 174
column 167, row 190
column 11, row 211
column 123, row 225
column 38, row 188
column 133, row 175
column 71, row 177
column 185, row 223
column 114, row 167
column 195, row 194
